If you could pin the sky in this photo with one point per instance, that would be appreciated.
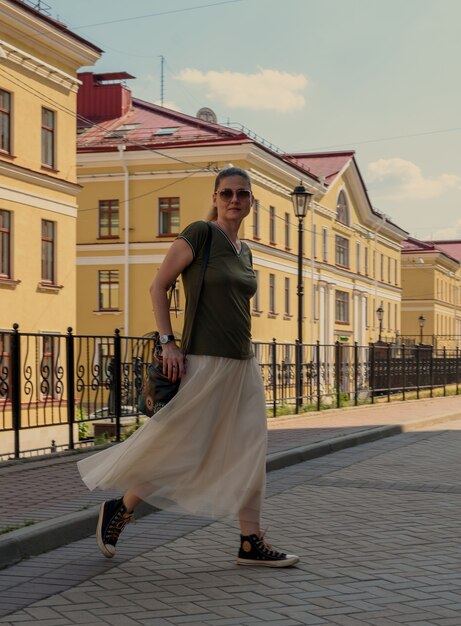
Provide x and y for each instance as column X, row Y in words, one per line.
column 378, row 77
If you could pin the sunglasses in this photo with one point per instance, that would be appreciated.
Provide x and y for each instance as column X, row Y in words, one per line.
column 228, row 194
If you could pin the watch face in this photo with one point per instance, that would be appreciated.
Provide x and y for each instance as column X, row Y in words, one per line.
column 163, row 339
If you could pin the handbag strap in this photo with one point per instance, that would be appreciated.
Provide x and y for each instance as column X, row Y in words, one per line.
column 206, row 256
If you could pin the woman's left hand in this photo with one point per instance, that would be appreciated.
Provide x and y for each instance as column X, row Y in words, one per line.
column 174, row 362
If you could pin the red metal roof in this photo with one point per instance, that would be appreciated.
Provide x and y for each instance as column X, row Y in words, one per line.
column 151, row 125
column 452, row 247
column 326, row 164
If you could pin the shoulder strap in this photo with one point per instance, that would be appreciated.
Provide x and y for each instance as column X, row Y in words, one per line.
column 206, row 256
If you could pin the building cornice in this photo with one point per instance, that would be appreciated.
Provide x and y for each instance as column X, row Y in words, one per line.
column 27, row 61
column 46, row 36
column 32, row 177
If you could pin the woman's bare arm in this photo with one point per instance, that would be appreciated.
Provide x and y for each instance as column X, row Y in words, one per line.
column 178, row 257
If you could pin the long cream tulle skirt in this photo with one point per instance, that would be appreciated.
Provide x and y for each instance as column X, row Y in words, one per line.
column 204, row 452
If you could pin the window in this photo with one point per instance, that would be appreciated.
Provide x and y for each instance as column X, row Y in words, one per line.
column 342, row 306
column 108, row 219
column 48, row 251
column 256, row 219
column 396, row 275
column 396, row 319
column 271, row 293
column 5, row 121
column 366, row 261
column 325, row 244
column 342, row 209
column 48, row 138
column 5, row 244
column 168, row 210
column 342, row 251
column 5, row 367
column 366, row 311
column 287, row 296
column 388, row 269
column 287, row 231
column 314, row 240
column 108, row 290
column 359, row 257
column 388, row 316
column 272, row 224
column 256, row 296
column 382, row 267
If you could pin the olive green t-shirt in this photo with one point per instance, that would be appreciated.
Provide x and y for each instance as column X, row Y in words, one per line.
column 222, row 323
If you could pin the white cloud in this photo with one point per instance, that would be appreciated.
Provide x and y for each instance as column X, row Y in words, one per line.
column 398, row 178
column 451, row 232
column 266, row 90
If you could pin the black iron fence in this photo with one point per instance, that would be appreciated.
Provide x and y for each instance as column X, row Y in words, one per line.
column 66, row 391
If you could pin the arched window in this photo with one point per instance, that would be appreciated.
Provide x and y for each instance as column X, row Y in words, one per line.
column 342, row 208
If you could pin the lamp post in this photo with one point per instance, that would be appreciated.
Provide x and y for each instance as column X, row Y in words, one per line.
column 380, row 314
column 301, row 199
column 422, row 321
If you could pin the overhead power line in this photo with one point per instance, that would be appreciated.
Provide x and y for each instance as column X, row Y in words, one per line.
column 141, row 17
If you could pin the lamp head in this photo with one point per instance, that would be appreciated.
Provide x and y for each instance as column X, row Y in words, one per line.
column 301, row 199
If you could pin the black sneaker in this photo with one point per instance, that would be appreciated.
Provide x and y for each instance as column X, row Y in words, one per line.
column 113, row 517
column 255, row 551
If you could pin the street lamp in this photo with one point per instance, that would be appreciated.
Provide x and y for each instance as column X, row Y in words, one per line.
column 422, row 321
column 301, row 200
column 380, row 315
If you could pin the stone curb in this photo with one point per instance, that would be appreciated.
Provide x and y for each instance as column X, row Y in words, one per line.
column 50, row 534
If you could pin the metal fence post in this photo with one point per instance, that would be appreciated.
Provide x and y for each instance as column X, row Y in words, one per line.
column 337, row 375
column 274, row 377
column 16, row 387
column 457, row 369
column 444, row 371
column 117, row 381
column 372, row 372
column 319, row 388
column 356, row 373
column 298, row 375
column 388, row 377
column 70, row 374
column 431, row 370
column 404, row 372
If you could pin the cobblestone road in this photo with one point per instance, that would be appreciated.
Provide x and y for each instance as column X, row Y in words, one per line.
column 377, row 529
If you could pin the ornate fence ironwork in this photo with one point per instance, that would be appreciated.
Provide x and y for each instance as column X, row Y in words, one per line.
column 76, row 388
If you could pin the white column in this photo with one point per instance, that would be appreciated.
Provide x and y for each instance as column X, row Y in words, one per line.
column 356, row 316
column 322, row 312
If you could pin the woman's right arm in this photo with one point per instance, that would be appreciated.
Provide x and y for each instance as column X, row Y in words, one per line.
column 178, row 257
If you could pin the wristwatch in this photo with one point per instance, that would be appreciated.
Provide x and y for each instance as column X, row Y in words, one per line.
column 164, row 339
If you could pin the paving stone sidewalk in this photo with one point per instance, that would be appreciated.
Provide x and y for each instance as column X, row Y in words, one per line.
column 49, row 491
column 376, row 527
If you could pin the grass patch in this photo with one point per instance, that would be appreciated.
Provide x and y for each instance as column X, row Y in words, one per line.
column 9, row 529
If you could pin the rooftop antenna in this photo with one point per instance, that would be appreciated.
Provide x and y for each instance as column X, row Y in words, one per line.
column 162, row 75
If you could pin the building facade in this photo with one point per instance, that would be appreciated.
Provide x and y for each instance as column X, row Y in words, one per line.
column 147, row 172
column 39, row 59
column 431, row 281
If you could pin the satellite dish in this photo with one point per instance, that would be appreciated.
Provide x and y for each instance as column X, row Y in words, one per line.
column 207, row 115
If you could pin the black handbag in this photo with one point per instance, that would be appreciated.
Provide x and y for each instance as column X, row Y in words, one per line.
column 157, row 390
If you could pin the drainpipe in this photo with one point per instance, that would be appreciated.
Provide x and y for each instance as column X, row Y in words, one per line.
column 126, row 282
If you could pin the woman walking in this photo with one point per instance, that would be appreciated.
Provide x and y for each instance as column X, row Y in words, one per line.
column 205, row 451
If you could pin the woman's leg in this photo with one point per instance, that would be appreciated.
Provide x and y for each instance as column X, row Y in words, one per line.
column 130, row 500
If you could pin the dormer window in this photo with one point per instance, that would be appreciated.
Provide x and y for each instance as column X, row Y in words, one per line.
column 342, row 209
column 169, row 130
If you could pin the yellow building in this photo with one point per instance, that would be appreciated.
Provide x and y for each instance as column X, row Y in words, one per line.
column 431, row 298
column 39, row 59
column 147, row 172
